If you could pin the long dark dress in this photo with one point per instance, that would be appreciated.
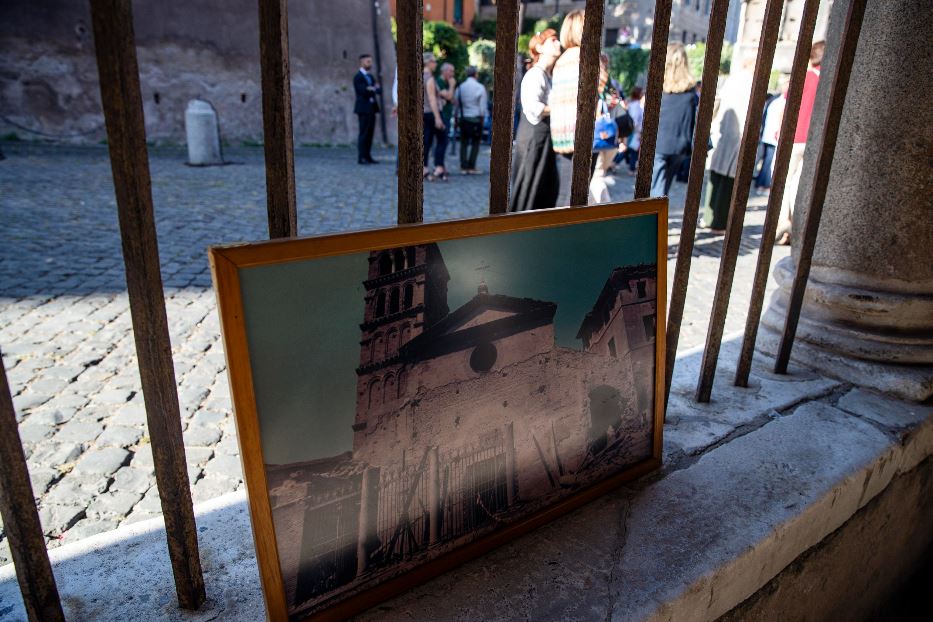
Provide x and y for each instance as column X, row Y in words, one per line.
column 535, row 182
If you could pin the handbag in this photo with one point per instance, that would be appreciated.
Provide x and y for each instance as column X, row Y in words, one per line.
column 605, row 130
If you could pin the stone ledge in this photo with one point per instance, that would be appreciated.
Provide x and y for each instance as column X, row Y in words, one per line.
column 751, row 482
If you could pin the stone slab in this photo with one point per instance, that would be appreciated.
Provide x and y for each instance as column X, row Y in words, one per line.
column 689, row 545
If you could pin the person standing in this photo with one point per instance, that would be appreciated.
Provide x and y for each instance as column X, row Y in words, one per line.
column 563, row 100
column 366, row 107
column 637, row 111
column 534, row 178
column 434, row 128
column 677, row 120
column 470, row 104
column 770, row 131
column 726, row 130
column 795, row 166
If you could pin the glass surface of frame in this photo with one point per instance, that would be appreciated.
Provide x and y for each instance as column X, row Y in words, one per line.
column 409, row 398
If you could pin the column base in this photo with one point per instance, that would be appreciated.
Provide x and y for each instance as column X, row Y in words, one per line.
column 846, row 332
column 909, row 382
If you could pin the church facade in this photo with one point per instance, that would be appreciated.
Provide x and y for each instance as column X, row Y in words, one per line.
column 466, row 419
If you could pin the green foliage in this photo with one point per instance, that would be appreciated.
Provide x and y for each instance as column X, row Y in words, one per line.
column 523, row 41
column 482, row 55
column 696, row 53
column 628, row 65
column 393, row 25
column 484, row 28
column 444, row 41
column 541, row 25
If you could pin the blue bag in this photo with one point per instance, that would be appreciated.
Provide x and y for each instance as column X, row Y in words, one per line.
column 604, row 133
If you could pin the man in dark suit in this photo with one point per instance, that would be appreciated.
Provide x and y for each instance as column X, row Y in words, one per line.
column 366, row 107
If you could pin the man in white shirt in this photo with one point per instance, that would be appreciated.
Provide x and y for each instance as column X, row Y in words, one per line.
column 770, row 131
column 470, row 105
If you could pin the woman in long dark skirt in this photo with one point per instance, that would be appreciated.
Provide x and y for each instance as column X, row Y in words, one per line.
column 534, row 179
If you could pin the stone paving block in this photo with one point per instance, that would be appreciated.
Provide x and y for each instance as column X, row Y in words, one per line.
column 77, row 431
column 48, row 386
column 142, row 457
column 119, row 436
column 114, row 503
column 56, row 519
column 201, row 436
column 138, row 515
column 208, row 417
column 76, row 488
column 132, row 479
column 51, row 416
column 87, row 527
column 149, row 503
column 27, row 400
column 5, row 556
column 56, row 454
column 198, row 455
column 130, row 414
column 210, row 487
column 104, row 461
column 34, row 433
column 224, row 466
column 41, row 478
column 113, row 396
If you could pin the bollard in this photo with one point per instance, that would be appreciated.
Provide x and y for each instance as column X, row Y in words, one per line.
column 202, row 133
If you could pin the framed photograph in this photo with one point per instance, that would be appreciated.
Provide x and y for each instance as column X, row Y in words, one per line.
column 409, row 398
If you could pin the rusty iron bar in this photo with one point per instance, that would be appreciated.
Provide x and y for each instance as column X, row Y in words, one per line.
column 649, row 134
column 21, row 519
column 410, row 118
column 748, row 151
column 278, row 141
column 798, row 74
column 114, row 41
column 824, row 164
column 688, row 227
column 502, row 113
column 587, row 86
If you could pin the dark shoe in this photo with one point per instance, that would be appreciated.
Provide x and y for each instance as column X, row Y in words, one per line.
column 363, row 162
column 371, row 161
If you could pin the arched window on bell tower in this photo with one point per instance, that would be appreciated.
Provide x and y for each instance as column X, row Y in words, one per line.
column 393, row 301
column 409, row 295
column 381, row 304
column 410, row 254
column 399, row 260
column 385, row 264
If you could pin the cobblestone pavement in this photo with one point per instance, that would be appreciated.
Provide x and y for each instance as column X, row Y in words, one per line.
column 65, row 324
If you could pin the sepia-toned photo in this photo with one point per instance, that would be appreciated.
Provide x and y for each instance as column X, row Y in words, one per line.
column 414, row 399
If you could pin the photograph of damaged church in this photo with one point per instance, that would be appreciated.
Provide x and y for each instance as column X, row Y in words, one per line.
column 447, row 389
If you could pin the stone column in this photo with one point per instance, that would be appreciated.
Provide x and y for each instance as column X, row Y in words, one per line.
column 868, row 311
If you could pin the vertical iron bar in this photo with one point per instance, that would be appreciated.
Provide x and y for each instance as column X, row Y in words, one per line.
column 748, row 151
column 649, row 134
column 278, row 141
column 115, row 45
column 377, row 57
column 21, row 519
column 504, row 105
column 587, row 85
column 410, row 118
column 688, row 227
column 824, row 163
column 798, row 74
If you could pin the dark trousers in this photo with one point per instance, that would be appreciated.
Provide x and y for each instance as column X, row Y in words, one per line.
column 665, row 168
column 364, row 142
column 763, row 179
column 471, row 133
column 432, row 134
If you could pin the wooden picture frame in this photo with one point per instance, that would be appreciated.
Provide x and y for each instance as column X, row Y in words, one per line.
column 232, row 264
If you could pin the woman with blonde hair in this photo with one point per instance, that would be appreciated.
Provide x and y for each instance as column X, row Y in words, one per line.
column 563, row 99
column 435, row 130
column 677, row 120
column 534, row 179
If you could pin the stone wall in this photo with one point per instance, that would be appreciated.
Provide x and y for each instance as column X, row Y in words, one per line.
column 207, row 49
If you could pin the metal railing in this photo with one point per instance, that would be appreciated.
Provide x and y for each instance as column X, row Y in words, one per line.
column 123, row 112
